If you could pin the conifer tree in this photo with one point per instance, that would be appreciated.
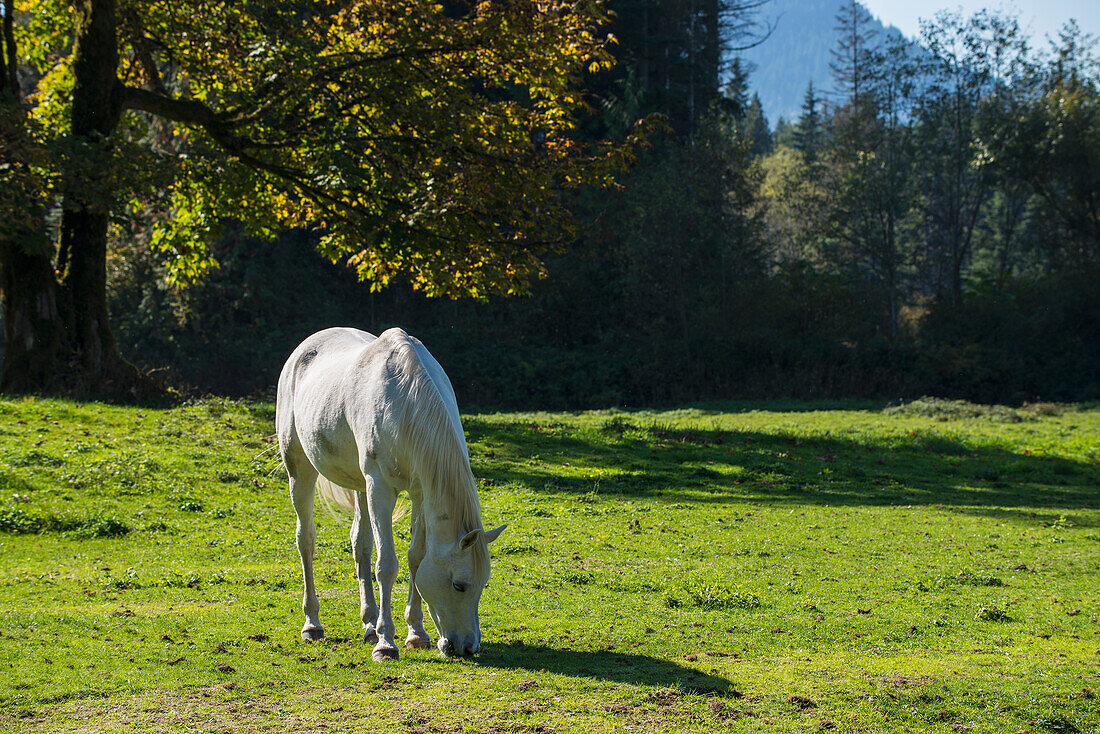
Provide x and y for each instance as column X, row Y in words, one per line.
column 737, row 87
column 757, row 133
column 807, row 132
column 855, row 39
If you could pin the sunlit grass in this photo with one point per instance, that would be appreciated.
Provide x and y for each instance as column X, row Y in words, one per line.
column 719, row 568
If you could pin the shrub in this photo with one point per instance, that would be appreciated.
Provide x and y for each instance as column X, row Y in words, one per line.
column 943, row 409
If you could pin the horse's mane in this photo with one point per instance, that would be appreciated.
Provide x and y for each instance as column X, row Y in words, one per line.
column 438, row 454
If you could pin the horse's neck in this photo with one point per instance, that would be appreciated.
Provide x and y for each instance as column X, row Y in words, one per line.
column 444, row 524
column 439, row 535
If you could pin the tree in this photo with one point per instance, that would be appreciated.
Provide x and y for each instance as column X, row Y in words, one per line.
column 746, row 114
column 427, row 141
column 868, row 161
column 736, row 92
column 795, row 207
column 865, row 173
column 683, row 237
column 807, row 134
column 855, row 40
column 1048, row 141
column 755, row 129
column 964, row 69
column 674, row 49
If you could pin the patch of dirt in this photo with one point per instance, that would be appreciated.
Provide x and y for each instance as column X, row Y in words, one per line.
column 801, row 702
column 902, row 681
column 663, row 697
column 724, row 711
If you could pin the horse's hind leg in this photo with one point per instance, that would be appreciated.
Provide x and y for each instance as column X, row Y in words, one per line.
column 414, row 611
column 362, row 541
column 303, row 478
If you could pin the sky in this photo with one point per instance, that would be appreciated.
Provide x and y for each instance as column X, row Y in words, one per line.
column 1041, row 17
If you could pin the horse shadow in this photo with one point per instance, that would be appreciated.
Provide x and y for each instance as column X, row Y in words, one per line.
column 606, row 665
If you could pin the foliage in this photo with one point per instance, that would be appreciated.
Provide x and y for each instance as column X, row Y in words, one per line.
column 810, row 271
column 1049, row 141
column 424, row 142
column 928, row 235
column 830, row 561
column 421, row 141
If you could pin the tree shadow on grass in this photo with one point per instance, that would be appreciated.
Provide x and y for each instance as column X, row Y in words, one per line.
column 603, row 665
column 714, row 466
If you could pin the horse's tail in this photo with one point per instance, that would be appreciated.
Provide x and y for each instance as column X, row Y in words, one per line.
column 340, row 501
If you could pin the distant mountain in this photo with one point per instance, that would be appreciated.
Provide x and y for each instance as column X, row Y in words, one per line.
column 798, row 50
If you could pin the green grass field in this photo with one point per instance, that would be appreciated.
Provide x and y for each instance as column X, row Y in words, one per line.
column 729, row 568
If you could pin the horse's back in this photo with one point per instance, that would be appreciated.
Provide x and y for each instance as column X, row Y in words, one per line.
column 344, row 393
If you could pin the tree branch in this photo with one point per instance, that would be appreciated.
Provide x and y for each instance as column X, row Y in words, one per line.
column 187, row 111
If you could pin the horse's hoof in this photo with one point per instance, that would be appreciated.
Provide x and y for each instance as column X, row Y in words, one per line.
column 418, row 643
column 384, row 651
column 370, row 636
column 312, row 634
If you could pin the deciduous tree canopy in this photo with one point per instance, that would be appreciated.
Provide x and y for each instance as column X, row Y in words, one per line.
column 423, row 140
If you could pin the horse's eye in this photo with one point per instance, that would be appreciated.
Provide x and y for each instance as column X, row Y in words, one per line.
column 458, row 586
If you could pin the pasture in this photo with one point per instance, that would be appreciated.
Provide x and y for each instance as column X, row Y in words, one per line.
column 739, row 567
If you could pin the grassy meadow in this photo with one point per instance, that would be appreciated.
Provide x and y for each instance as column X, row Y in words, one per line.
column 737, row 567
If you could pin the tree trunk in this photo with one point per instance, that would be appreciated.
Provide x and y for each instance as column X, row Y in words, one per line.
column 28, row 290
column 33, row 329
column 56, row 324
column 82, row 256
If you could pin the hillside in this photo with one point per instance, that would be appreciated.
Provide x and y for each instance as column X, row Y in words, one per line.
column 797, row 51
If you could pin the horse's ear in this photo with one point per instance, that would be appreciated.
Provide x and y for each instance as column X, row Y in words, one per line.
column 470, row 538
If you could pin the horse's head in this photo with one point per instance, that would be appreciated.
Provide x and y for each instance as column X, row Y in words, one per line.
column 451, row 579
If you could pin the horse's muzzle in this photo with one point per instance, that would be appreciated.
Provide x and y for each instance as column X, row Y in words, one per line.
column 449, row 649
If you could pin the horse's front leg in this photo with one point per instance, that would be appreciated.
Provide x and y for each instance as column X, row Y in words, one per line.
column 381, row 500
column 362, row 542
column 414, row 610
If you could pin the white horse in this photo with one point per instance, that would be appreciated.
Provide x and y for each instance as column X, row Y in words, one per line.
column 377, row 416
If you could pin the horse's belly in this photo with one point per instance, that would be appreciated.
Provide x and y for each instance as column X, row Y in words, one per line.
column 342, row 473
column 335, row 456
